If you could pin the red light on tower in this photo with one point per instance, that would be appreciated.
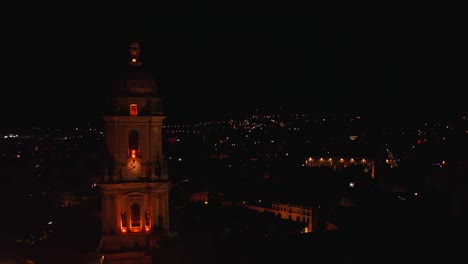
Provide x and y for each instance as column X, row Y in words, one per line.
column 133, row 110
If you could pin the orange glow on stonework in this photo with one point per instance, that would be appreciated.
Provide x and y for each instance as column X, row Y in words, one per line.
column 133, row 153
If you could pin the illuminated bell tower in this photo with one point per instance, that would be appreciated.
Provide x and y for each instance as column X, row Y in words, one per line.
column 135, row 186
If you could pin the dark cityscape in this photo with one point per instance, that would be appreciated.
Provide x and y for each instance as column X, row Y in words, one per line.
column 250, row 140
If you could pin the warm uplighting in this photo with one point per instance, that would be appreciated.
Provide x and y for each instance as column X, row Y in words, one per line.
column 124, row 230
column 133, row 153
column 147, row 228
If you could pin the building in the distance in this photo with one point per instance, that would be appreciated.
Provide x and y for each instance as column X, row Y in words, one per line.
column 342, row 162
column 306, row 215
column 135, row 186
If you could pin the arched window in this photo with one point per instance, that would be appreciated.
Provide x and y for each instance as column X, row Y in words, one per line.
column 133, row 110
column 133, row 144
column 135, row 218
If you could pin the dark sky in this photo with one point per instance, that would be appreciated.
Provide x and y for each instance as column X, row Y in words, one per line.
column 387, row 61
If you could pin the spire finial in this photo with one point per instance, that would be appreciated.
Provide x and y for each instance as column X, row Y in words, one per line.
column 134, row 51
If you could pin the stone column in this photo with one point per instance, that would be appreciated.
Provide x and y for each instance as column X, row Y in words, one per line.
column 104, row 213
column 113, row 223
column 166, row 210
column 156, row 209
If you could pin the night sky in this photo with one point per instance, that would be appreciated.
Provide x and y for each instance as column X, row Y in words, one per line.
column 389, row 61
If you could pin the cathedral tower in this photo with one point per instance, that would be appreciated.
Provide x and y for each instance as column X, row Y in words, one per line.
column 135, row 186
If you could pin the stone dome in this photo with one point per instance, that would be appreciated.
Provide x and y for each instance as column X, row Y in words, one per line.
column 135, row 83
